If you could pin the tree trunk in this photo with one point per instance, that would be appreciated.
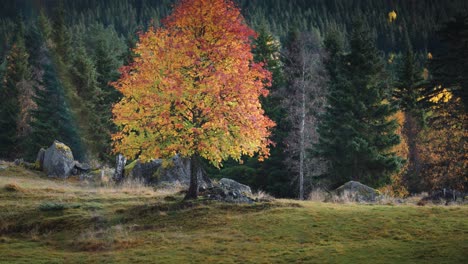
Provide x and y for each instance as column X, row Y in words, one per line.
column 120, row 162
column 411, row 129
column 192, row 192
column 302, row 146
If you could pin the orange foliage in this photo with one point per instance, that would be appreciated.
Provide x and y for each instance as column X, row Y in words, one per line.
column 397, row 187
column 194, row 88
column 444, row 148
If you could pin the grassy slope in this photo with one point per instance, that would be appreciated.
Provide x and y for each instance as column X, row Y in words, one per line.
column 139, row 225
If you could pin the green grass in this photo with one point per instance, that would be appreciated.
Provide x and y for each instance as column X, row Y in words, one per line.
column 87, row 224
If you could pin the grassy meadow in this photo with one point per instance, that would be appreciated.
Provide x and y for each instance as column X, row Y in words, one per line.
column 53, row 221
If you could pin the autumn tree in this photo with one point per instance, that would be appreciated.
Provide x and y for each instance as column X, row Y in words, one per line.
column 444, row 147
column 272, row 174
column 443, row 143
column 193, row 90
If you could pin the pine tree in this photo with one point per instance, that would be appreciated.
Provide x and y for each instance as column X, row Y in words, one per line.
column 407, row 94
column 107, row 51
column 409, row 79
column 356, row 134
column 272, row 174
column 60, row 34
column 84, row 77
column 15, row 74
column 52, row 118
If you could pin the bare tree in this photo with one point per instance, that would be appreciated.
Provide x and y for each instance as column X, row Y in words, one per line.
column 304, row 99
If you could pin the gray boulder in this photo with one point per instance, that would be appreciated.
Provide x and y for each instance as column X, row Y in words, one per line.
column 58, row 160
column 159, row 173
column 81, row 168
column 230, row 191
column 235, row 186
column 354, row 191
column 40, row 159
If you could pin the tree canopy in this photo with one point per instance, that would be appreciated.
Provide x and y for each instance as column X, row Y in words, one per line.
column 194, row 89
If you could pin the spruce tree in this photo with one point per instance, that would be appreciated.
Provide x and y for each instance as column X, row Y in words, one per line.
column 84, row 77
column 409, row 79
column 15, row 73
column 60, row 34
column 407, row 94
column 356, row 135
column 52, row 119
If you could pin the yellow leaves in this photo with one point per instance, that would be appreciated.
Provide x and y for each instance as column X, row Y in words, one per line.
column 429, row 56
column 392, row 16
column 391, row 57
column 193, row 90
column 442, row 97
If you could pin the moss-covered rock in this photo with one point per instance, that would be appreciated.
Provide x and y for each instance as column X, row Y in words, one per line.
column 354, row 191
column 58, row 160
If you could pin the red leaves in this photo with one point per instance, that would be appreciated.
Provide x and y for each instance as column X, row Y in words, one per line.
column 199, row 87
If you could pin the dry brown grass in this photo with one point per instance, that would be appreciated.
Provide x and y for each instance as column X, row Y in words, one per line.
column 317, row 195
column 20, row 180
column 114, row 238
column 262, row 196
column 14, row 187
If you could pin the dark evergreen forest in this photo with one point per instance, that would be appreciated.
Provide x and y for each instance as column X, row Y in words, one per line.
column 365, row 90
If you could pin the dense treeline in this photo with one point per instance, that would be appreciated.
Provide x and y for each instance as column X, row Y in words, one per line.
column 376, row 100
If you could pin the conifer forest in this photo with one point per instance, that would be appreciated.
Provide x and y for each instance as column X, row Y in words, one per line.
column 292, row 99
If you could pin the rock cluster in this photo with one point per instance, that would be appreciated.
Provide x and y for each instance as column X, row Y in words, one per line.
column 57, row 161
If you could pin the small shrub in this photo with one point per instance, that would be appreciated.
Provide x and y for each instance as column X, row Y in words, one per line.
column 422, row 203
column 116, row 237
column 262, row 196
column 52, row 206
column 13, row 187
column 317, row 195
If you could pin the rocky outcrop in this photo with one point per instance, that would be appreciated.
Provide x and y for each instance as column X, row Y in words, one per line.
column 228, row 190
column 58, row 160
column 158, row 172
column 235, row 186
column 354, row 191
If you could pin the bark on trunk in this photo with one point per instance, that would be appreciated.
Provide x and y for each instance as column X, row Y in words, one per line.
column 120, row 162
column 302, row 146
column 192, row 192
column 411, row 129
